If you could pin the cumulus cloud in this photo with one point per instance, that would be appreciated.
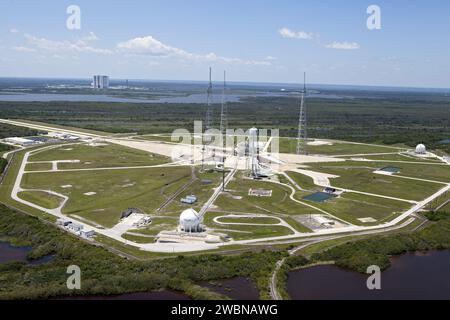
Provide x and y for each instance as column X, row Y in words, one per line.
column 343, row 45
column 287, row 33
column 79, row 46
column 149, row 46
column 13, row 30
column 90, row 37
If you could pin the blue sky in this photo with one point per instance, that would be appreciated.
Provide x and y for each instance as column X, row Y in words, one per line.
column 254, row 40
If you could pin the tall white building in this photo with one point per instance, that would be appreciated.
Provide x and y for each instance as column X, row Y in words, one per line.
column 100, row 82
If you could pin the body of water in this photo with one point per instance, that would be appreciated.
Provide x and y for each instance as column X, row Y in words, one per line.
column 9, row 253
column 239, row 288
column 412, row 276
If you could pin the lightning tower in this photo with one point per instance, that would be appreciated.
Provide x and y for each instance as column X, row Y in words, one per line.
column 209, row 107
column 302, row 141
column 224, row 111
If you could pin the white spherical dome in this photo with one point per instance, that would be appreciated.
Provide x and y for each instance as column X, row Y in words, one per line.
column 190, row 220
column 421, row 149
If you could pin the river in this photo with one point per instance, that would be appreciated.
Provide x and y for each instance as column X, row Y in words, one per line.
column 416, row 276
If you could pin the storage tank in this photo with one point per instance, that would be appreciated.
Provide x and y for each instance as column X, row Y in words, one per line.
column 421, row 149
column 190, row 221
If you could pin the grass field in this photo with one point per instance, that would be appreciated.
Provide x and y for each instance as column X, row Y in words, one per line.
column 38, row 167
column 98, row 157
column 41, row 198
column 116, row 190
column 289, row 145
column 351, row 207
column 400, row 157
column 359, row 176
column 237, row 199
column 202, row 191
column 251, row 220
column 303, row 181
column 243, row 232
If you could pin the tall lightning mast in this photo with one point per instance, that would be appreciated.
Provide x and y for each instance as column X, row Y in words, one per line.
column 223, row 114
column 209, row 110
column 302, row 141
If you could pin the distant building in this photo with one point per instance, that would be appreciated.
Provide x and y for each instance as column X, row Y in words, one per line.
column 100, row 82
column 21, row 141
column 63, row 136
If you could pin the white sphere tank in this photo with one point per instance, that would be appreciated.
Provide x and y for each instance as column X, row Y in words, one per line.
column 190, row 221
column 421, row 149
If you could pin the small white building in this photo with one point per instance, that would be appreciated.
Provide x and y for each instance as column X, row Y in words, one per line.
column 88, row 234
column 75, row 227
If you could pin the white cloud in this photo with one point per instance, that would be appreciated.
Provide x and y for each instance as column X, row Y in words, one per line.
column 343, row 45
column 13, row 30
column 149, row 46
column 90, row 37
column 23, row 49
column 287, row 33
column 270, row 58
column 80, row 46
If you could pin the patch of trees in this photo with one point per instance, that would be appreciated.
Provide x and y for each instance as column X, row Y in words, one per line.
column 7, row 131
column 104, row 273
column 387, row 117
column 3, row 164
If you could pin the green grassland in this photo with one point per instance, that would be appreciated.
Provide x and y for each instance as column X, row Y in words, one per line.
column 38, row 167
column 202, row 191
column 289, row 145
column 244, row 232
column 359, row 176
column 116, row 190
column 400, row 157
column 351, row 207
column 41, row 198
column 251, row 220
column 278, row 203
column 98, row 157
column 428, row 171
column 305, row 182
